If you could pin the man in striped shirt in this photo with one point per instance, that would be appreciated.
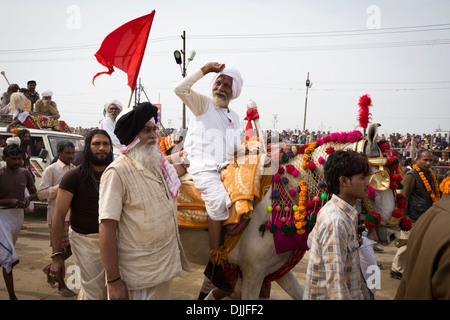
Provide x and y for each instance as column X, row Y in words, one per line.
column 333, row 271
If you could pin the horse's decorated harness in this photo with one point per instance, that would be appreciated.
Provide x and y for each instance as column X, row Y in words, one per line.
column 382, row 180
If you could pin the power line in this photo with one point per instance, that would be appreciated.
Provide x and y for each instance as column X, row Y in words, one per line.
column 438, row 27
column 376, row 45
column 71, row 48
column 85, row 46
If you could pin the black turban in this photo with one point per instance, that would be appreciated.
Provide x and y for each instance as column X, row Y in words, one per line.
column 132, row 122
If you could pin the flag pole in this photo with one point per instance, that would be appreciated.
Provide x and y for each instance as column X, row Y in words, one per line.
column 131, row 96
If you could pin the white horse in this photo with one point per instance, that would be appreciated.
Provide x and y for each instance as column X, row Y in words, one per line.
column 256, row 256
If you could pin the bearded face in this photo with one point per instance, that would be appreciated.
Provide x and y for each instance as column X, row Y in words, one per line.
column 222, row 91
column 147, row 154
column 113, row 112
column 100, row 158
column 220, row 99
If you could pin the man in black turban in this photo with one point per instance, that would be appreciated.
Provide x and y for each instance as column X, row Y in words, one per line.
column 130, row 123
column 137, row 189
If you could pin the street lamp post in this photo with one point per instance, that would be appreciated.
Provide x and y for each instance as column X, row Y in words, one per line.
column 308, row 85
column 180, row 59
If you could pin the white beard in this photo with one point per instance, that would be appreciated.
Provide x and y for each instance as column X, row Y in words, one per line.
column 112, row 117
column 220, row 101
column 147, row 155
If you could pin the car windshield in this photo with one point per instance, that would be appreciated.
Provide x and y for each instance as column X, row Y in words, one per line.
column 78, row 143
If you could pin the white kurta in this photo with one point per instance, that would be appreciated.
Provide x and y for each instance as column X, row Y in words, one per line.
column 211, row 140
column 108, row 125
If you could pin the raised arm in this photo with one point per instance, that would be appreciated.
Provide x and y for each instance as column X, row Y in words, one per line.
column 196, row 102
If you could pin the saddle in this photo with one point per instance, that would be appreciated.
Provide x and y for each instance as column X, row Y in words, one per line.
column 39, row 122
column 246, row 182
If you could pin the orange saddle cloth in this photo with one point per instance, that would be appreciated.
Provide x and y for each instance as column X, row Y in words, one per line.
column 246, row 181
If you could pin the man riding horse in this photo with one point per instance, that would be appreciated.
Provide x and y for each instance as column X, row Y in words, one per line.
column 211, row 140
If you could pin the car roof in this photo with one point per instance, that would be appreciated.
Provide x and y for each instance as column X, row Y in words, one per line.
column 46, row 132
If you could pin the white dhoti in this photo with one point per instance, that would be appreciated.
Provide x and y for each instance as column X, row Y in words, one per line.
column 11, row 221
column 160, row 292
column 86, row 252
column 216, row 198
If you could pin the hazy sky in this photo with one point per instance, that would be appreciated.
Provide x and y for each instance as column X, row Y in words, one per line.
column 396, row 51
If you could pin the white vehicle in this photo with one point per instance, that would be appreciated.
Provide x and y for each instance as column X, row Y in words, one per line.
column 47, row 140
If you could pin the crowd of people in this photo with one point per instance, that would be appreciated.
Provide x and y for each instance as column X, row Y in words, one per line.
column 16, row 100
column 116, row 212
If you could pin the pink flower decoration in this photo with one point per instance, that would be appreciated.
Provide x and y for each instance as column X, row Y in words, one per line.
column 326, row 139
column 319, row 142
column 370, row 192
column 321, row 160
column 292, row 193
column 334, row 136
column 354, row 136
column 342, row 137
column 311, row 166
column 290, row 168
column 279, row 223
column 295, row 173
column 276, row 178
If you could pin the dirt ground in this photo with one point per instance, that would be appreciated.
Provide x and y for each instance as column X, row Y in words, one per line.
column 34, row 253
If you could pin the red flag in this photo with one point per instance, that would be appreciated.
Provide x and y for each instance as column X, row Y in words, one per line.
column 124, row 48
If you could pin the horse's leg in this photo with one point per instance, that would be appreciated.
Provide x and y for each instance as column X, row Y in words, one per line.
column 291, row 286
column 251, row 285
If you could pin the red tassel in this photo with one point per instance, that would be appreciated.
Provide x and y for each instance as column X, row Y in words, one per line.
column 364, row 115
column 252, row 114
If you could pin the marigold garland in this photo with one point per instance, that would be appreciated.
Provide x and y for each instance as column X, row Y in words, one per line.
column 301, row 213
column 445, row 186
column 434, row 196
column 163, row 146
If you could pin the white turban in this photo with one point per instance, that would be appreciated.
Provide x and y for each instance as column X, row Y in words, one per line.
column 115, row 102
column 234, row 73
column 13, row 140
column 47, row 93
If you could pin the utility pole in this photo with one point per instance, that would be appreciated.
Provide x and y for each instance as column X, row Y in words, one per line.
column 180, row 59
column 308, row 85
column 184, row 75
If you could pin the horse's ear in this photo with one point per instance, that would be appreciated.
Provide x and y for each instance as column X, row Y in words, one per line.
column 372, row 149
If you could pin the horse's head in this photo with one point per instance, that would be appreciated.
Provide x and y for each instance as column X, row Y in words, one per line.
column 384, row 201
